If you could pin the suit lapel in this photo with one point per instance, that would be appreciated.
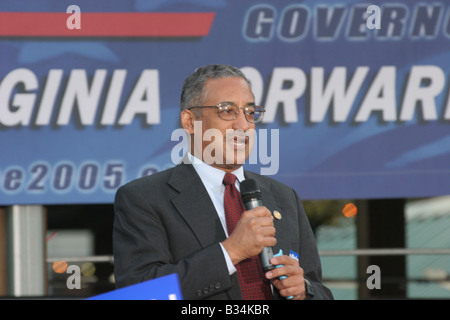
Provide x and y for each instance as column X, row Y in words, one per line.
column 271, row 203
column 267, row 193
column 195, row 206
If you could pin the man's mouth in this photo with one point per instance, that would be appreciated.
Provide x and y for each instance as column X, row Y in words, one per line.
column 240, row 141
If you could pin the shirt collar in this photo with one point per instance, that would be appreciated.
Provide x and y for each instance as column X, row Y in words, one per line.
column 213, row 177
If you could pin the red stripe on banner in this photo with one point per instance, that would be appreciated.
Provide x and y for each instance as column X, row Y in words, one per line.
column 106, row 24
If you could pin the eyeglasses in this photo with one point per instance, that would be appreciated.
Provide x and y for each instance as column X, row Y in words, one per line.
column 228, row 111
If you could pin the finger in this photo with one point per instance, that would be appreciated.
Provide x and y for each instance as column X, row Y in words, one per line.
column 266, row 237
column 292, row 287
column 276, row 273
column 269, row 241
column 265, row 221
column 289, row 271
column 295, row 293
column 259, row 212
column 284, row 260
column 257, row 222
column 268, row 231
column 287, row 287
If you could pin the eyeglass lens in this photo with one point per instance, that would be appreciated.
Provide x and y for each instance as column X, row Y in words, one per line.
column 229, row 111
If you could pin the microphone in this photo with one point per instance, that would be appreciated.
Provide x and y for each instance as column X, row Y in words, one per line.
column 251, row 196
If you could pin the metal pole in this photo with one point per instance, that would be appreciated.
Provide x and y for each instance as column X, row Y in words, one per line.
column 26, row 250
column 385, row 252
column 105, row 258
column 322, row 253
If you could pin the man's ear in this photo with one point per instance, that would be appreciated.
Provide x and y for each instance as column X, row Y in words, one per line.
column 187, row 121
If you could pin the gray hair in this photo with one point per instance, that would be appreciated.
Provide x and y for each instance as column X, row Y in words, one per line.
column 192, row 93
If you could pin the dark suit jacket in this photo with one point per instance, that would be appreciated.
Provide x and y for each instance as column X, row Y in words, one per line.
column 166, row 223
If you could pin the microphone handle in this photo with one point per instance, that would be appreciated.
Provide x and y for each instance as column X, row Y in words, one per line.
column 267, row 253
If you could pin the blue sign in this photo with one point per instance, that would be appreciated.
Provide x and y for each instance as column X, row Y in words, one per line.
column 357, row 95
column 162, row 288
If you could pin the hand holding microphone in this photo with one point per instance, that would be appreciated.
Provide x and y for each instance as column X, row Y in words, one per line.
column 254, row 231
column 251, row 196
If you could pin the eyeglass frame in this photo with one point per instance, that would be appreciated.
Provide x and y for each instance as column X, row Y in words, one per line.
column 218, row 106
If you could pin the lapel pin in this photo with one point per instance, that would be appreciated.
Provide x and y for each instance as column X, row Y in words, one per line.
column 277, row 215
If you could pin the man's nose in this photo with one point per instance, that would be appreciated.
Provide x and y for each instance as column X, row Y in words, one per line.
column 240, row 122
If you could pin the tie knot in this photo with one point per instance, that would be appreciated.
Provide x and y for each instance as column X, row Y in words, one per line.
column 229, row 179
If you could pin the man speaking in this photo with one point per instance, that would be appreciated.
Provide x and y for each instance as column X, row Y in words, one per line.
column 191, row 219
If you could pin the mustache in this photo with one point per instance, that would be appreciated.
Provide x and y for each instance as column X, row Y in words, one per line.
column 239, row 134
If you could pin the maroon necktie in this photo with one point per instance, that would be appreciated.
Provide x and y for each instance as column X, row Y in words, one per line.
column 254, row 285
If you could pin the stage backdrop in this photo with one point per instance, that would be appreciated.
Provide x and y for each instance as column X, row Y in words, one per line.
column 357, row 96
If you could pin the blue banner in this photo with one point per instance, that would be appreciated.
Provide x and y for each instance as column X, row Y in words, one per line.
column 357, row 95
column 162, row 288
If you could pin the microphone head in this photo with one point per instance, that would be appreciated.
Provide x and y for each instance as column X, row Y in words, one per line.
column 249, row 190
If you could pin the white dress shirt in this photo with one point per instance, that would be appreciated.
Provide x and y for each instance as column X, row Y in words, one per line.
column 212, row 180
